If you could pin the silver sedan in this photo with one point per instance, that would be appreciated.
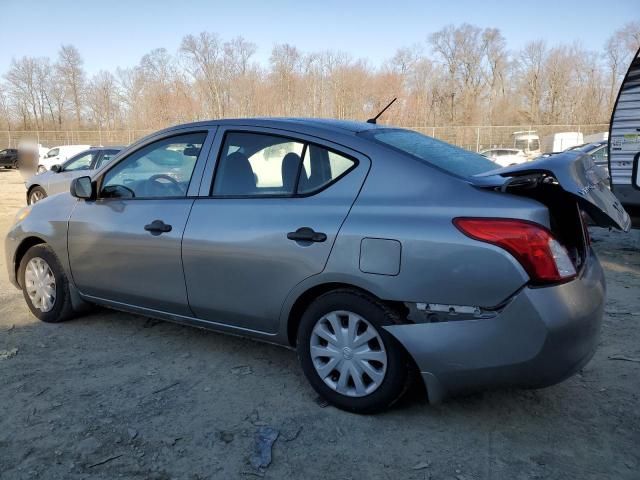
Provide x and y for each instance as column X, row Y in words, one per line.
column 375, row 252
column 59, row 177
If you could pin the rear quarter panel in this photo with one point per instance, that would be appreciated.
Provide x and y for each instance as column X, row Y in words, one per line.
column 413, row 203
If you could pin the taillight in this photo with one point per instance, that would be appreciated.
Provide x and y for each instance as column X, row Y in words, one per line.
column 544, row 259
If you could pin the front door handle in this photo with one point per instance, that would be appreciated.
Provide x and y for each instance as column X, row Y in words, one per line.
column 306, row 234
column 157, row 227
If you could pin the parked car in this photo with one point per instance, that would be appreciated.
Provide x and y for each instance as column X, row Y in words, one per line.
column 505, row 156
column 370, row 250
column 9, row 158
column 599, row 151
column 59, row 155
column 58, row 178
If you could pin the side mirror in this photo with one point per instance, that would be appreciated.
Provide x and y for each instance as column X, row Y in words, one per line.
column 82, row 187
column 56, row 168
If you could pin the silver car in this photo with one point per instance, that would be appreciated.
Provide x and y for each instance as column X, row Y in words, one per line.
column 375, row 252
column 59, row 177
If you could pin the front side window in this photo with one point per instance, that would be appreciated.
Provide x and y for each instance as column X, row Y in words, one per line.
column 53, row 152
column 160, row 169
column 81, row 161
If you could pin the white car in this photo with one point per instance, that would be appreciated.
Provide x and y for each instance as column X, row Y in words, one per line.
column 505, row 156
column 59, row 155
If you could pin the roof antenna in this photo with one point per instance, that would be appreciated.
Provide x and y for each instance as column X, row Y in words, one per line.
column 373, row 120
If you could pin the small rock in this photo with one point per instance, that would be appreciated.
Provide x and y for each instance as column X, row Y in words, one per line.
column 6, row 354
column 207, row 389
column 88, row 446
column 421, row 466
column 226, row 437
column 133, row 433
column 264, row 439
column 242, row 370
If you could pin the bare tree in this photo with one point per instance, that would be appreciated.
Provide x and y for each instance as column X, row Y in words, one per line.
column 70, row 68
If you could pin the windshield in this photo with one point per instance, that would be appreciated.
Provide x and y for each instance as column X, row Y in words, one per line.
column 530, row 144
column 435, row 152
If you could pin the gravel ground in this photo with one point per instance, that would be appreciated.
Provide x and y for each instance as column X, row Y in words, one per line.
column 113, row 395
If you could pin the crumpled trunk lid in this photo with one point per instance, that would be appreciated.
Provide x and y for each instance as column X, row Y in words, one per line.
column 573, row 172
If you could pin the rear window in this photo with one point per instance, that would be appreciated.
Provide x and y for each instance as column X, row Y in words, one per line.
column 435, row 152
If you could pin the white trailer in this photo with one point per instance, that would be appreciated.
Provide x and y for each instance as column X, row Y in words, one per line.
column 624, row 139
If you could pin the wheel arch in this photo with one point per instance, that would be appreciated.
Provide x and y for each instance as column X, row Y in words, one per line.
column 30, row 189
column 22, row 249
column 304, row 299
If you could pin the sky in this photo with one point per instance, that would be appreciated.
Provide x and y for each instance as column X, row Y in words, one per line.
column 116, row 33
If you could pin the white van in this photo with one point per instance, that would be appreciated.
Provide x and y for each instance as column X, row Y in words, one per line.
column 59, row 155
column 559, row 142
column 528, row 141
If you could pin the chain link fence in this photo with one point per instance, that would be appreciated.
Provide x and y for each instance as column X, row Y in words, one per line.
column 475, row 138
column 54, row 138
column 478, row 138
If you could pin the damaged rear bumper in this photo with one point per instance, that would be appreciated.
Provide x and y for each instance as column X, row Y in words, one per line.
column 541, row 337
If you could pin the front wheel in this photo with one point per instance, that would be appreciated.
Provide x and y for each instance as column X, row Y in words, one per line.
column 45, row 285
column 346, row 354
column 35, row 195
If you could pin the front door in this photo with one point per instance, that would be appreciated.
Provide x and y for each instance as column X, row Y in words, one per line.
column 267, row 222
column 125, row 246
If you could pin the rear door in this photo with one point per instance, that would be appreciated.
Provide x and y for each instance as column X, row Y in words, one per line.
column 267, row 222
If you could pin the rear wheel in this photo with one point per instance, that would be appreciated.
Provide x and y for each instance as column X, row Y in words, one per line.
column 35, row 195
column 45, row 285
column 346, row 355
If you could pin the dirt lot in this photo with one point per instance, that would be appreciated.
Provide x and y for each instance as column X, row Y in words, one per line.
column 113, row 395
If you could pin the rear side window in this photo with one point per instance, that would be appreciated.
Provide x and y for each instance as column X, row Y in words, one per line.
column 435, row 152
column 321, row 167
column 107, row 156
column 256, row 164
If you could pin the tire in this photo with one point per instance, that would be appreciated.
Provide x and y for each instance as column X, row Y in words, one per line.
column 388, row 381
column 35, row 195
column 61, row 308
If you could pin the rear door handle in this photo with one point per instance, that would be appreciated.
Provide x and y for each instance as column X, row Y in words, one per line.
column 157, row 227
column 306, row 234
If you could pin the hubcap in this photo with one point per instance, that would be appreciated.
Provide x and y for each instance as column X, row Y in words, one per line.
column 348, row 354
column 40, row 284
column 36, row 196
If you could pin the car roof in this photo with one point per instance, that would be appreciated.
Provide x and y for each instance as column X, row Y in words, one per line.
column 108, row 147
column 326, row 124
column 503, row 149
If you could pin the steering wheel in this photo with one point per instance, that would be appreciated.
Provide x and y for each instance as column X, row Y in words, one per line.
column 173, row 183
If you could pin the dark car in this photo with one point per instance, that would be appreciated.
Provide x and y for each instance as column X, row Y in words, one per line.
column 9, row 158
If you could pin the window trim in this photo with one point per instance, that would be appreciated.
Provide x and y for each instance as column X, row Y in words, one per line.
column 305, row 146
column 156, row 138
